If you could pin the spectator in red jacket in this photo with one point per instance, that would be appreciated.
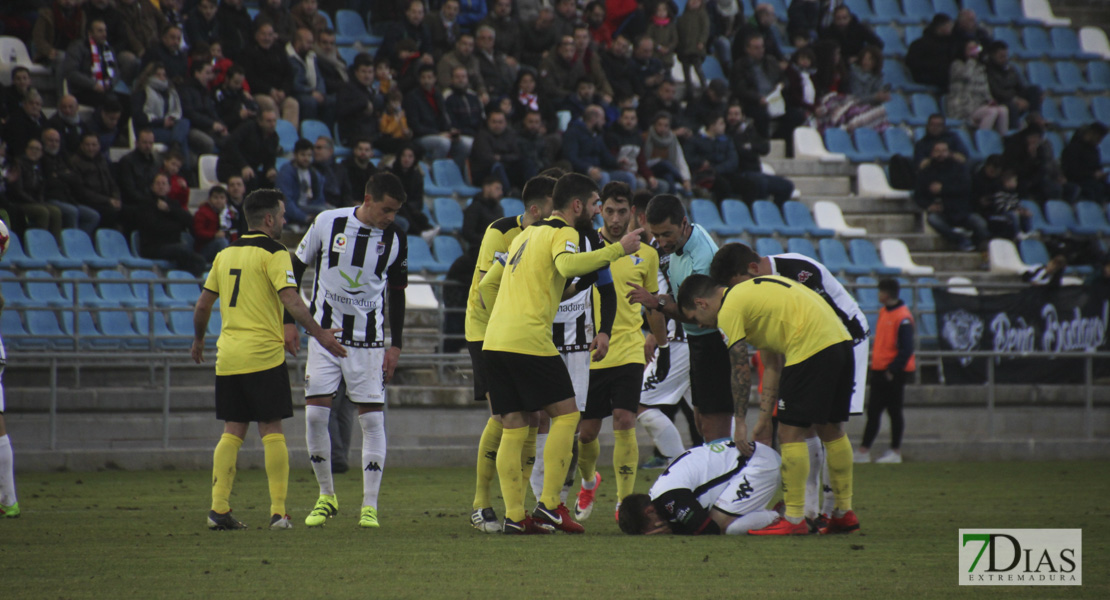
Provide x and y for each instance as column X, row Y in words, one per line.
column 179, row 188
column 208, row 226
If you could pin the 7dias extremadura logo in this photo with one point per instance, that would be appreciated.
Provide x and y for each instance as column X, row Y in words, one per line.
column 1021, row 557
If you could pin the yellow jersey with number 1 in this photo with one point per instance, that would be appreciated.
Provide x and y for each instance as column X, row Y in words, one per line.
column 626, row 344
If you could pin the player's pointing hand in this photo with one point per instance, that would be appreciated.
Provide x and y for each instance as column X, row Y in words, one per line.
column 327, row 339
column 631, row 241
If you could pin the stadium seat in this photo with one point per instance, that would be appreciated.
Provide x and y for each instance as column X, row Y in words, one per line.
column 116, row 291
column 1043, row 75
column 925, row 301
column 890, row 11
column 116, row 326
column 1065, row 43
column 447, row 249
column 864, row 254
column 1012, row 37
column 420, row 257
column 837, row 140
column 16, row 336
column 287, row 135
column 12, row 290
column 446, row 174
column 1033, row 252
column 187, row 291
column 448, row 215
column 1037, row 220
column 1037, row 42
column 1012, row 12
column 798, row 215
column 768, row 247
column 1104, row 150
column 136, row 244
column 927, row 331
column 736, row 214
column 896, row 256
column 141, row 288
column 1039, row 10
column 13, row 53
column 918, row 11
column 1093, row 40
column 912, row 32
column 77, row 245
column 280, row 162
column 867, row 294
column 1076, row 112
column 512, row 207
column 45, row 293
column 112, row 245
column 973, row 153
column 352, row 28
column 711, row 67
column 766, row 214
column 43, row 324
column 897, row 111
column 862, row 10
column 431, row 189
column 802, row 246
column 1055, row 142
column 207, row 171
column 312, row 130
column 181, row 322
column 896, row 76
column 704, row 213
column 1071, row 78
column 1091, row 215
column 988, row 142
column 898, row 141
column 88, row 335
column 16, row 257
column 349, row 53
column 40, row 243
column 1100, row 106
column 164, row 337
column 869, row 144
column 1004, row 257
column 1059, row 213
column 873, row 183
column 947, row 7
column 892, row 41
column 925, row 105
column 420, row 294
column 83, row 293
column 835, row 258
column 808, row 144
column 327, row 19
column 828, row 215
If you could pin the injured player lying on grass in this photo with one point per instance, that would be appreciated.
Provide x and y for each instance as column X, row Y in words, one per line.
column 709, row 489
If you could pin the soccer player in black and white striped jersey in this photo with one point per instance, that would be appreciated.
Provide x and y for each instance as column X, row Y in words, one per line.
column 358, row 254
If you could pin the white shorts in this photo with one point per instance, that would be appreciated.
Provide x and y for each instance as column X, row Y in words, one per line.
column 578, row 365
column 361, row 369
column 754, row 486
column 675, row 386
column 860, row 351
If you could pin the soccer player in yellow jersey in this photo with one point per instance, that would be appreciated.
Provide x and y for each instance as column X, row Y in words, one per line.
column 615, row 379
column 254, row 276
column 808, row 370
column 518, row 347
column 495, row 244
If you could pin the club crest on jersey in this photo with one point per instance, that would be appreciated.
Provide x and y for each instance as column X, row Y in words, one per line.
column 571, row 247
column 636, row 260
column 803, row 276
column 381, row 248
column 339, row 243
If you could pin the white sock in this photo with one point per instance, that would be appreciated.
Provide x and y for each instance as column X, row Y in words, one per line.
column 373, row 455
column 828, row 500
column 7, row 472
column 662, row 432
column 319, row 446
column 572, row 473
column 754, row 520
column 813, row 482
column 537, row 468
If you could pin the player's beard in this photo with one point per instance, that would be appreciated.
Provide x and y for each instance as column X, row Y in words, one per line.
column 583, row 220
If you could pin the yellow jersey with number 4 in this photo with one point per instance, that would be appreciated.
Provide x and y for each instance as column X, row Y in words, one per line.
column 626, row 345
column 247, row 276
column 777, row 314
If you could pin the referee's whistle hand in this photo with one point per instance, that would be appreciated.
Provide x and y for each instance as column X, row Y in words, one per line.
column 631, row 241
column 330, row 343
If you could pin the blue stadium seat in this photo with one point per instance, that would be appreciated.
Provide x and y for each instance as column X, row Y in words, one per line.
column 802, row 246
column 430, row 187
column 712, row 69
column 907, row 294
column 352, row 28
column 871, row 145
column 1065, row 43
column 1012, row 37
column 1033, row 252
column 867, row 294
column 313, row 130
column 327, row 19
column 895, row 75
column 420, row 257
column 835, row 258
column 287, row 135
column 768, row 247
column 252, row 11
column 447, row 249
column 704, row 213
column 925, row 301
column 1058, row 212
column 448, row 215
column 16, row 336
column 164, row 337
column 892, row 41
column 798, row 215
column 181, row 322
column 116, row 291
column 736, row 214
column 446, row 174
column 1055, row 142
column 44, row 293
column 89, row 336
column 861, row 9
column 77, row 245
column 1042, row 74
column 766, row 213
column 136, row 244
column 86, row 294
column 888, row 11
column 919, row 11
column 1098, row 73
column 43, row 324
column 1013, row 12
column 838, row 141
column 348, row 53
column 898, row 141
column 925, row 105
column 1037, row 43
column 1104, row 150
column 947, row 7
column 16, row 257
column 141, row 290
column 897, row 111
column 1038, row 223
column 12, row 289
column 116, row 325
column 1090, row 214
column 985, row 11
column 1076, row 112
column 974, row 155
column 988, row 142
column 187, row 291
column 1071, row 78
column 281, row 161
column 912, row 32
column 40, row 243
column 512, row 207
column 864, row 254
column 1100, row 106
column 927, row 331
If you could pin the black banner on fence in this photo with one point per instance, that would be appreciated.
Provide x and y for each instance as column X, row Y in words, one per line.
column 1070, row 320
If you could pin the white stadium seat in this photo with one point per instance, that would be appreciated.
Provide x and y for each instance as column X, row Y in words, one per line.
column 808, row 144
column 419, row 294
column 828, row 216
column 1041, row 11
column 873, row 184
column 896, row 254
column 207, row 169
column 14, row 54
column 1093, row 40
column 1004, row 257
column 962, row 285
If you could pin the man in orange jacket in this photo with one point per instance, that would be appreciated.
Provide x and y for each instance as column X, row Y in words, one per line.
column 891, row 360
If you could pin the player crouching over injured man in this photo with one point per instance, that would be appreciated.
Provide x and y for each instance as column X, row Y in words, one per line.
column 710, row 489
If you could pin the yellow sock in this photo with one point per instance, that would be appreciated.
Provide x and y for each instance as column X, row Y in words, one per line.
column 528, row 460
column 277, row 470
column 223, row 471
column 795, row 469
column 509, row 471
column 587, row 458
column 556, row 457
column 626, row 454
column 838, row 455
column 487, row 462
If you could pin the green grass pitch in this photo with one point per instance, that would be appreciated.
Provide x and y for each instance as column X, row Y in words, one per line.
column 141, row 535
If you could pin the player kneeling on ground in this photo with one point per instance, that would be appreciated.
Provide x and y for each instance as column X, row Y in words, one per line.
column 710, row 489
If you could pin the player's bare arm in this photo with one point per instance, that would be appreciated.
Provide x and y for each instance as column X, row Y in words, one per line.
column 201, row 313
column 293, row 303
column 741, row 392
column 772, row 373
column 657, row 323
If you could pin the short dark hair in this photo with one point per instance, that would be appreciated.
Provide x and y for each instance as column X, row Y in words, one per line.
column 537, row 190
column 553, row 172
column 424, row 69
column 619, row 191
column 111, row 105
column 143, row 130
column 997, row 45
column 640, row 200
column 631, row 518
column 385, row 184
column 234, row 70
column 731, row 260
column 693, row 287
column 260, row 203
column 665, row 207
column 302, row 144
column 490, row 179
column 570, row 187
column 217, row 189
column 197, row 66
column 890, row 286
column 363, row 59
column 19, row 69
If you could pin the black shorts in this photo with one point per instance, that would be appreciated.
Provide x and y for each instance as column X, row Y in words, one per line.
column 818, row 390
column 615, row 387
column 525, row 383
column 478, row 364
column 262, row 396
column 710, row 386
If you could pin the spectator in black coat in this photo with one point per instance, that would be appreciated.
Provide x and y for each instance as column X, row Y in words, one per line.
column 337, row 188
column 424, row 110
column 1008, row 86
column 357, row 103
column 68, row 123
column 25, row 125
column 412, row 27
column 1028, row 154
column 936, row 130
column 847, row 31
column 233, row 103
column 415, row 221
column 496, row 152
column 202, row 26
column 357, row 169
column 620, row 70
column 98, row 188
column 803, row 20
column 750, row 146
column 929, row 56
column 198, row 107
column 761, row 23
column 235, row 27
column 251, row 152
column 161, row 223
column 1082, row 162
column 484, row 209
column 968, row 29
column 647, row 70
column 170, row 55
column 269, row 73
column 62, row 186
column 944, row 191
column 91, row 80
column 137, row 169
column 465, row 113
column 665, row 99
column 755, row 75
column 104, row 123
